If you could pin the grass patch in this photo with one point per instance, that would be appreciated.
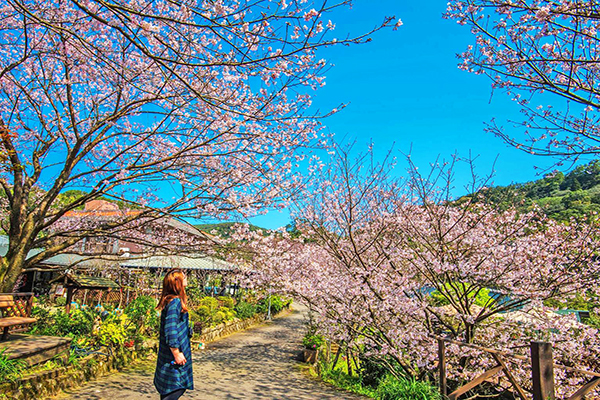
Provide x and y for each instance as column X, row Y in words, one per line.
column 10, row 370
column 388, row 387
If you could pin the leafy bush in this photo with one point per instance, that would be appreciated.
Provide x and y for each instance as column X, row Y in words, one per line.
column 388, row 387
column 76, row 323
column 211, row 303
column 142, row 313
column 313, row 341
column 219, row 317
column 245, row 310
column 229, row 313
column 10, row 370
column 195, row 292
column 60, row 301
column 343, row 381
column 112, row 331
column 227, row 301
column 277, row 304
column 201, row 315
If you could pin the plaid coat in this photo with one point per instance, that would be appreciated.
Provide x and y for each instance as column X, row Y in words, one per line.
column 174, row 332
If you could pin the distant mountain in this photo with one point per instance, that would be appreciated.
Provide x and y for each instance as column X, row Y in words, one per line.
column 561, row 196
column 223, row 229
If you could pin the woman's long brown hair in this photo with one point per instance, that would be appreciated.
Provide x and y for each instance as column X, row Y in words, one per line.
column 173, row 287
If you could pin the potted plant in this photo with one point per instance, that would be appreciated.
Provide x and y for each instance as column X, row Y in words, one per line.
column 312, row 342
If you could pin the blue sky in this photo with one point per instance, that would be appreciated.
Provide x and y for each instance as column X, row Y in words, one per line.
column 404, row 89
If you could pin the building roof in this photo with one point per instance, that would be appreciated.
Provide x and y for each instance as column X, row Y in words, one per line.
column 78, row 260
column 191, row 262
column 188, row 262
column 4, row 247
column 86, row 282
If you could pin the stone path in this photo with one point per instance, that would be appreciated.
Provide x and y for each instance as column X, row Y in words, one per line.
column 259, row 363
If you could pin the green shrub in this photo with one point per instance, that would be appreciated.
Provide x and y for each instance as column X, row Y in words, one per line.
column 202, row 315
column 313, row 341
column 195, row 293
column 210, row 302
column 343, row 381
column 142, row 313
column 60, row 301
column 113, row 331
column 277, row 304
column 229, row 313
column 227, row 301
column 245, row 310
column 388, row 387
column 372, row 370
column 76, row 323
column 219, row 317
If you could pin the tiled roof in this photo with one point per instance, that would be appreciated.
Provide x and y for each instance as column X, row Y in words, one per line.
column 88, row 282
column 199, row 262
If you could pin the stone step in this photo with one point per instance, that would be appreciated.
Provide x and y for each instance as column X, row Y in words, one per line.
column 35, row 349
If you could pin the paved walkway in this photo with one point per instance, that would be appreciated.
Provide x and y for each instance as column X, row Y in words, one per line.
column 256, row 364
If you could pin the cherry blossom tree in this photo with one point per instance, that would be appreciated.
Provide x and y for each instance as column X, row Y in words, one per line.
column 185, row 108
column 545, row 55
column 387, row 263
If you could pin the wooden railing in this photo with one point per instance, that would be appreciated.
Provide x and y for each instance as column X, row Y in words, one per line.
column 542, row 370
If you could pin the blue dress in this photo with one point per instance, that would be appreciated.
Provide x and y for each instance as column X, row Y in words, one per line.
column 174, row 332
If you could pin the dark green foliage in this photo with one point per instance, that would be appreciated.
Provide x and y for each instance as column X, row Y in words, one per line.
column 77, row 323
column 226, row 301
column 372, row 370
column 343, row 381
column 277, row 304
column 561, row 197
column 313, row 341
column 386, row 387
column 245, row 310
column 142, row 312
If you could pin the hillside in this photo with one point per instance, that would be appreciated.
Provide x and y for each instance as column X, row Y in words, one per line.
column 561, row 196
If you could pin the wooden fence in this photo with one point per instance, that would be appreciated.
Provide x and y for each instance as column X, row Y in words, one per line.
column 542, row 370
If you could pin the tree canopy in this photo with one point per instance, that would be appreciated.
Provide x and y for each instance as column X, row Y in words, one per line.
column 196, row 108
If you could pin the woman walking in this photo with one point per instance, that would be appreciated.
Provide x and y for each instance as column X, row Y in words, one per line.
column 173, row 374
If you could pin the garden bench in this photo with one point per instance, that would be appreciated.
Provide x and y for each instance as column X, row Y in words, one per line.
column 7, row 302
